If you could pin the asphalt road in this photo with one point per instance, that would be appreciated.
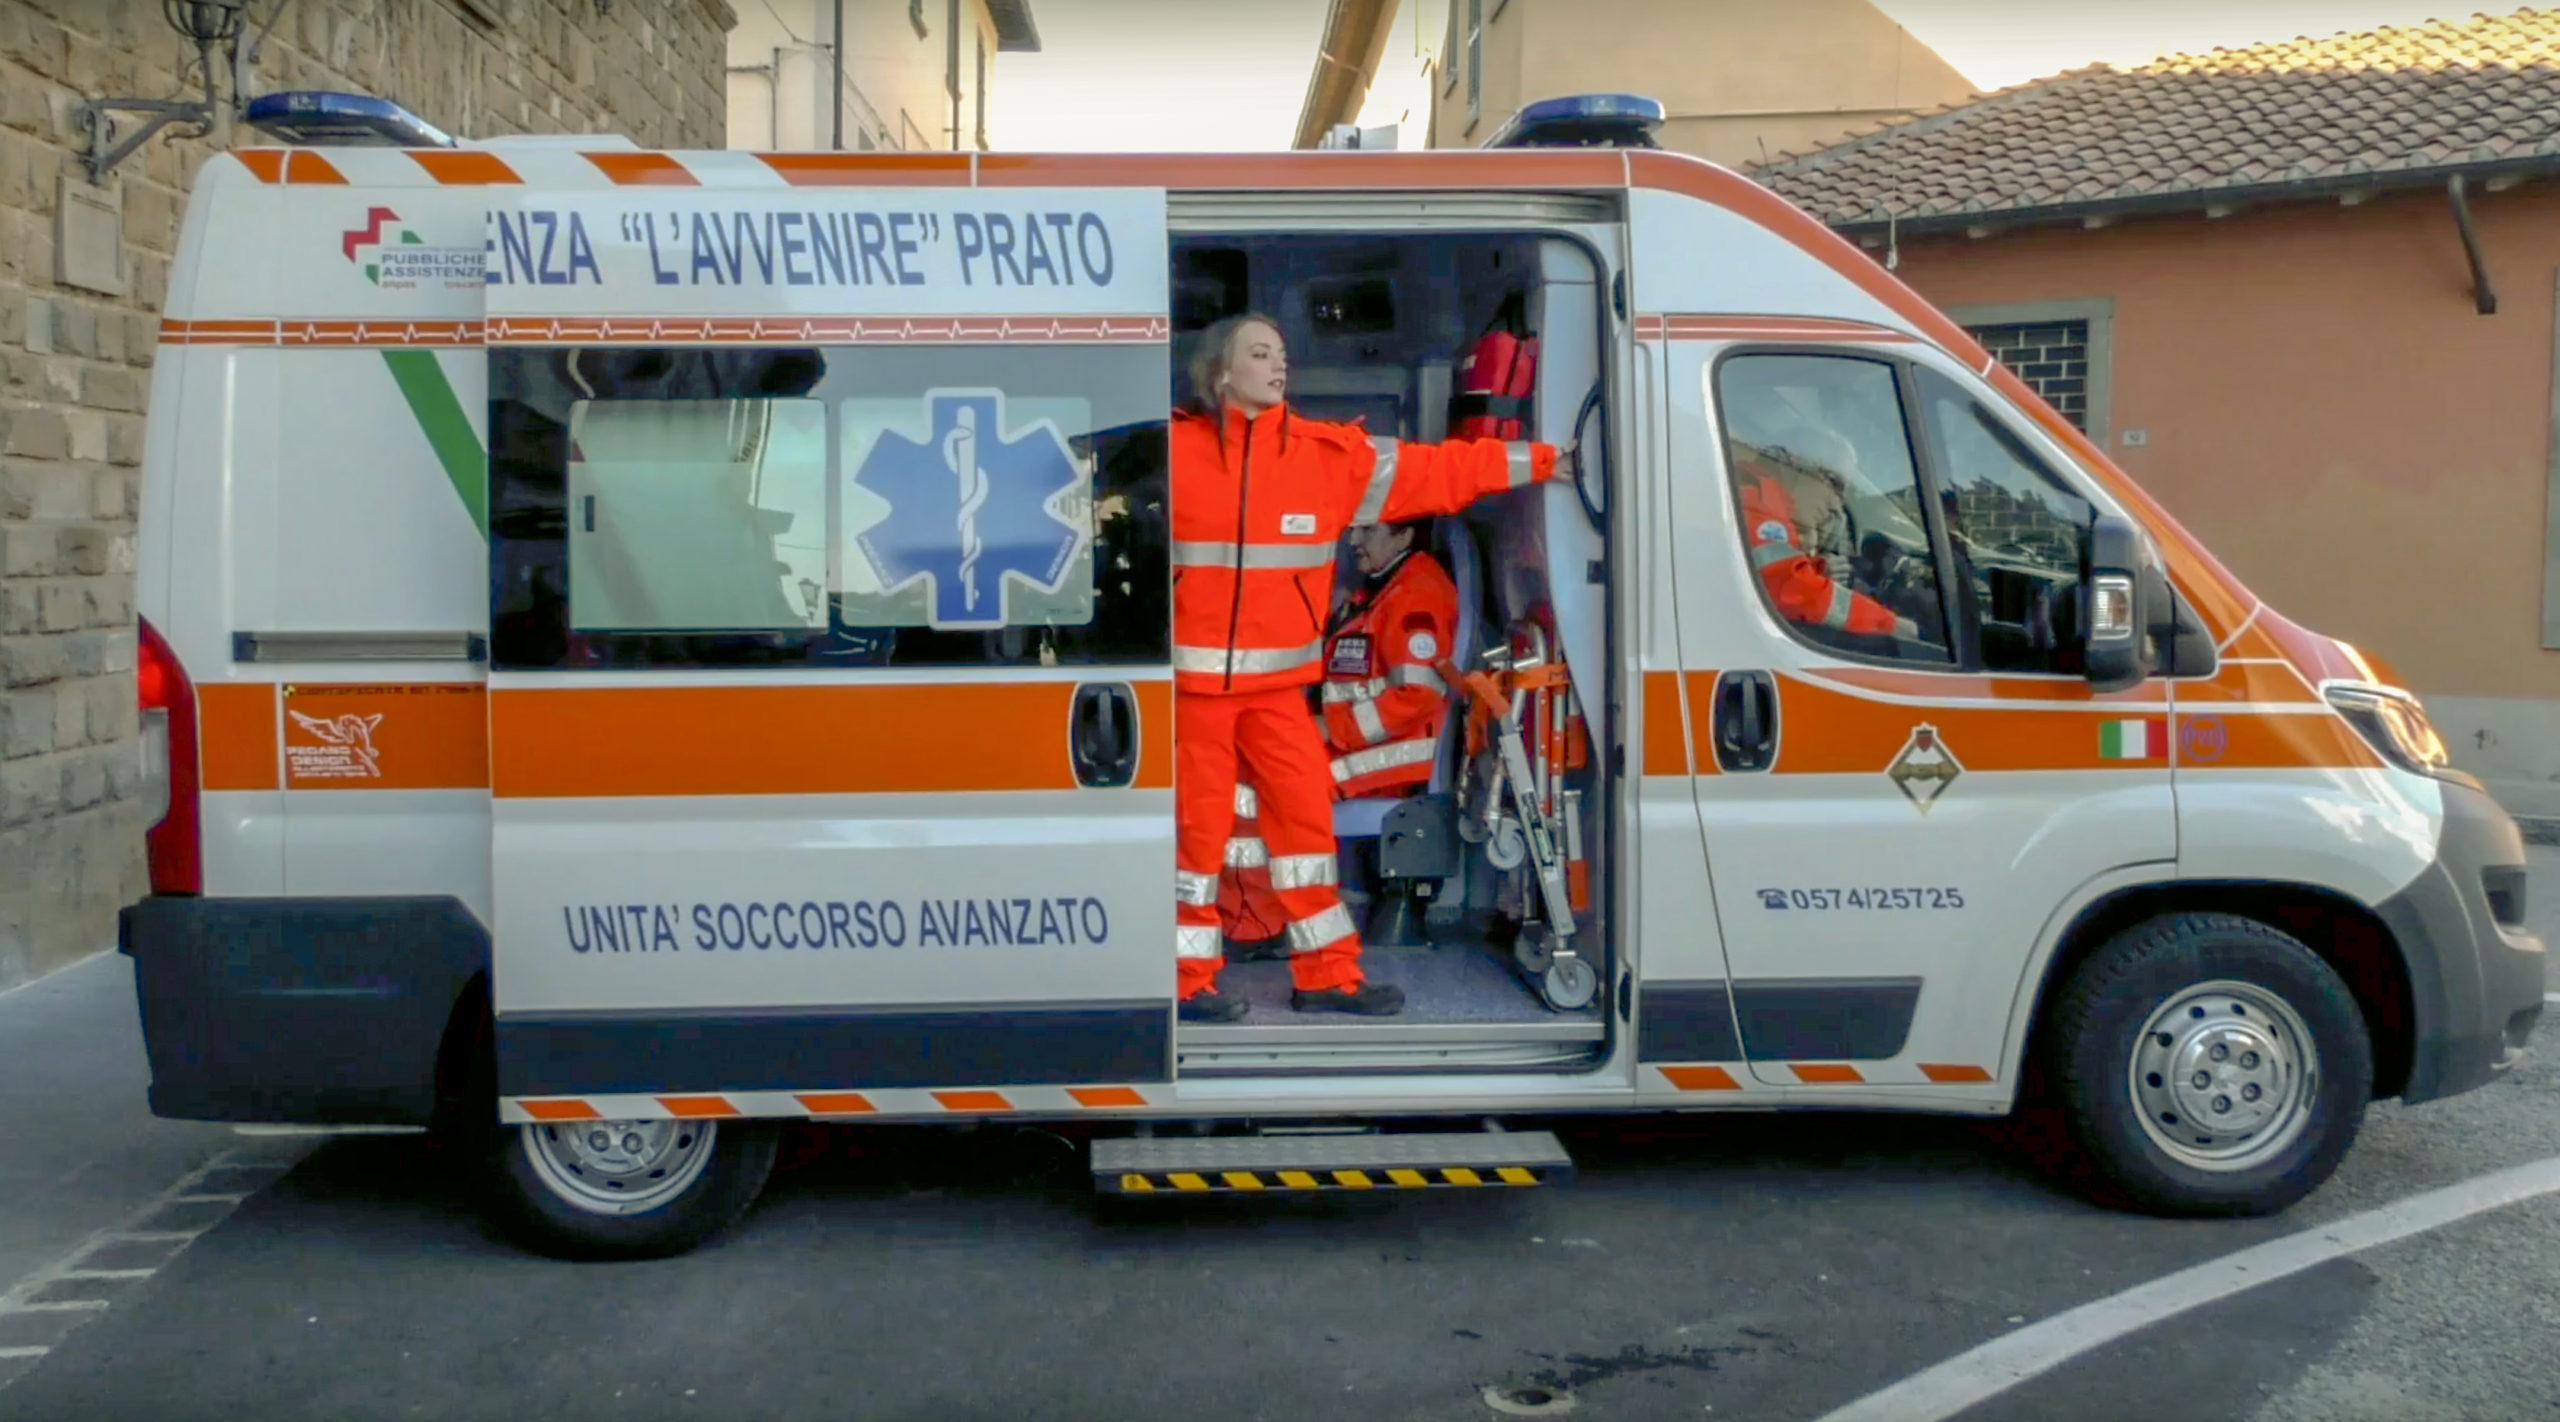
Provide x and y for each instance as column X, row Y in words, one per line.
column 1752, row 1267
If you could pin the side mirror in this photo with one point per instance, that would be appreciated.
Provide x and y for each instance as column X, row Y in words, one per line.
column 2121, row 586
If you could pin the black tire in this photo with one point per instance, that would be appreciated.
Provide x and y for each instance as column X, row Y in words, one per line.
column 552, row 1219
column 2097, row 1024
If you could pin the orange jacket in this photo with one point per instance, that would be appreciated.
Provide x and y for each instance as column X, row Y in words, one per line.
column 1383, row 701
column 1796, row 579
column 1258, row 507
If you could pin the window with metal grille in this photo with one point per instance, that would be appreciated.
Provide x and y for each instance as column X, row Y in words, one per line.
column 2052, row 357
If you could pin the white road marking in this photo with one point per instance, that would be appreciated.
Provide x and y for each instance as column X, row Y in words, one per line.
column 2551, row 997
column 20, row 1296
column 1970, row 1378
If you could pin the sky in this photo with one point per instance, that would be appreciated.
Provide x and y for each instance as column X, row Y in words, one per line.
column 1230, row 75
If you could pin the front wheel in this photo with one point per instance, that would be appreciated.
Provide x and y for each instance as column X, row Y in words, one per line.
column 627, row 1189
column 2208, row 1065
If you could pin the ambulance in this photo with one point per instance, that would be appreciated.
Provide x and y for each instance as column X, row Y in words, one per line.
column 642, row 648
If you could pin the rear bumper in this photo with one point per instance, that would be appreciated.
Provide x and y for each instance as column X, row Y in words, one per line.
column 318, row 1011
column 2476, row 984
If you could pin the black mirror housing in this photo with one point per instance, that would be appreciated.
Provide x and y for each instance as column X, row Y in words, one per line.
column 2124, row 595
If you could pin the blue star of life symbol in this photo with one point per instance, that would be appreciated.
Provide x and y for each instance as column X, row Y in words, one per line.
column 971, row 507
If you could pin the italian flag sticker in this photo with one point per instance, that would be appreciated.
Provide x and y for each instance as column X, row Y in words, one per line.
column 2146, row 739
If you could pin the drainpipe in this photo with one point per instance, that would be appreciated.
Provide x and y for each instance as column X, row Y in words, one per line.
column 835, row 80
column 771, row 75
column 2482, row 297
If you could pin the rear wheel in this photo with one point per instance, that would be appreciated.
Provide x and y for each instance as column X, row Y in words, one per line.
column 627, row 1189
column 2207, row 1065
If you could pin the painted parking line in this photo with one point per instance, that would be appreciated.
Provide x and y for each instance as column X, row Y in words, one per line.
column 54, row 1301
column 1974, row 1377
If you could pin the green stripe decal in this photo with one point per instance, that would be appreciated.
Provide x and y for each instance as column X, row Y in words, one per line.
column 447, row 427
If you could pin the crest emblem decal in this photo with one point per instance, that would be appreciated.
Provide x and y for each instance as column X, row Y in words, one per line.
column 1925, row 768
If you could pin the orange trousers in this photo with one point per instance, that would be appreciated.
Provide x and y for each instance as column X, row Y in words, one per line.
column 1247, row 909
column 1271, row 738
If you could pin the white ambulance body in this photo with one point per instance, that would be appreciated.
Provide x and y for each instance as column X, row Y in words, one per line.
column 650, row 645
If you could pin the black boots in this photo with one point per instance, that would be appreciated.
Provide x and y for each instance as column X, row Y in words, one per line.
column 1367, row 1000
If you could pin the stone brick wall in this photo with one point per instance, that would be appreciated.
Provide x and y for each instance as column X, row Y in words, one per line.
column 75, row 362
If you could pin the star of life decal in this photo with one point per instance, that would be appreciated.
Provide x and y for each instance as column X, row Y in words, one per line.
column 975, row 510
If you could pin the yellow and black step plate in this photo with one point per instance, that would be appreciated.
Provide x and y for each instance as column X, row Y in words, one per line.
column 1211, row 1165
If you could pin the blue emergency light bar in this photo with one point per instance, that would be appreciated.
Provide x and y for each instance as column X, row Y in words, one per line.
column 320, row 117
column 1582, row 121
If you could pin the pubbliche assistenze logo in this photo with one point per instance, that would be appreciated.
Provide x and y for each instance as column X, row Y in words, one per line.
column 395, row 258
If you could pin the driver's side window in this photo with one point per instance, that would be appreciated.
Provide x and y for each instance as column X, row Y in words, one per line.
column 1827, row 492
column 2019, row 536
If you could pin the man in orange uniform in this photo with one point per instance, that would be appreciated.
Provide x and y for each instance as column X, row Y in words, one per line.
column 1260, row 497
column 1782, row 503
column 1383, row 702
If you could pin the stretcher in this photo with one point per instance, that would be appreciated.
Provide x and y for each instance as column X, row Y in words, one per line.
column 1525, row 736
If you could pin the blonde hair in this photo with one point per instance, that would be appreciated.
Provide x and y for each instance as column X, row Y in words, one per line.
column 1211, row 353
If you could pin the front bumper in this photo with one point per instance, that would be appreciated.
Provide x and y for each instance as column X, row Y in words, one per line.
column 2476, row 983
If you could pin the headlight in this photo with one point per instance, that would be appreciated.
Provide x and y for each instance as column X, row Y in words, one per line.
column 2395, row 725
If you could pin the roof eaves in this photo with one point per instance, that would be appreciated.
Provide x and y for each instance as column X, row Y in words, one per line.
column 1015, row 31
column 2195, row 199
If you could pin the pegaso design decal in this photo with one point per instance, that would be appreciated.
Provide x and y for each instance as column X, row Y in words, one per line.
column 340, row 748
column 396, row 259
column 1925, row 768
column 989, row 519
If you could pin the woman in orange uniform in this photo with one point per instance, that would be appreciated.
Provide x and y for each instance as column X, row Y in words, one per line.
column 1260, row 496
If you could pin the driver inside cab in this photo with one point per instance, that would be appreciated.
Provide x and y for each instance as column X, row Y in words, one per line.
column 1793, row 477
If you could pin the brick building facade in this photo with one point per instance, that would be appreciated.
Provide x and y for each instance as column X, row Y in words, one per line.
column 75, row 353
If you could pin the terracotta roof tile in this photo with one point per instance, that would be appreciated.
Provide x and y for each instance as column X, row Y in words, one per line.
column 2369, row 103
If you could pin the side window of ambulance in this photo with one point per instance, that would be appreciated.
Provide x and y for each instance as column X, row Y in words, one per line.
column 697, row 513
column 1827, row 494
column 2018, row 532
column 836, row 507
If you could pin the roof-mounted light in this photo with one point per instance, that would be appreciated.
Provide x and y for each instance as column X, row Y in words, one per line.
column 315, row 117
column 1582, row 121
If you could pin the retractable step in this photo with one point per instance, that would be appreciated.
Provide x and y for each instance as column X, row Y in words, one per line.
column 1424, row 1160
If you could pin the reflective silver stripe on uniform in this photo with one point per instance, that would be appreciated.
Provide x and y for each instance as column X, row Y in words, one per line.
column 1247, row 852
column 1524, row 465
column 1244, row 661
column 1416, row 674
column 1197, row 890
column 1382, row 481
column 1331, row 926
column 1337, row 692
column 1304, row 871
column 1764, row 554
column 1248, row 805
column 1373, row 727
column 1291, row 556
column 1369, row 762
column 1837, row 617
column 1194, row 942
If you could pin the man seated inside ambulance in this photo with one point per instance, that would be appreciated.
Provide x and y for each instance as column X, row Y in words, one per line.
column 1383, row 703
column 1793, row 475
